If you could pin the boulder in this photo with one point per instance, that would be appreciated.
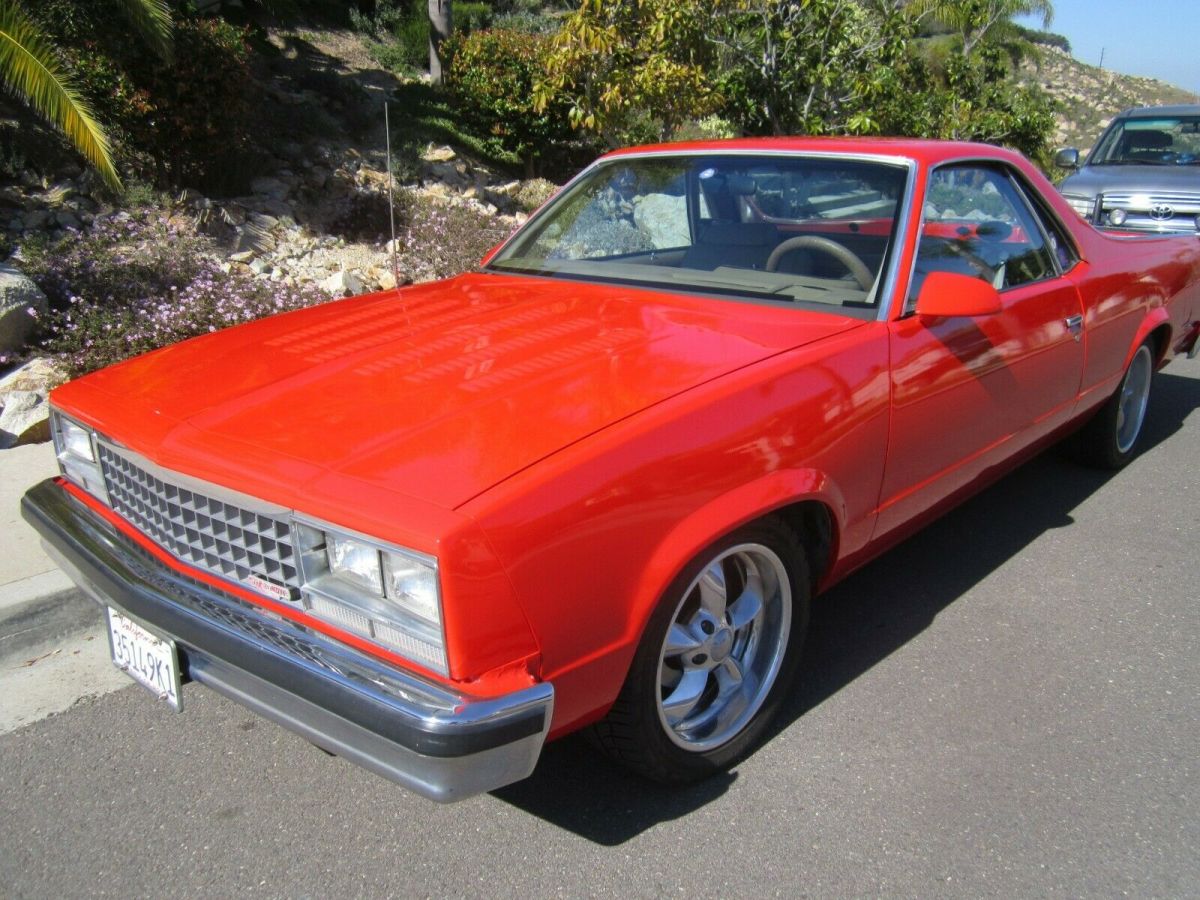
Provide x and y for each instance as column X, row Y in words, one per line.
column 663, row 219
column 39, row 374
column 274, row 188
column 25, row 419
column 438, row 154
column 21, row 303
column 343, row 284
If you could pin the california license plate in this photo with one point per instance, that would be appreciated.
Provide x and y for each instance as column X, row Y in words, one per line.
column 151, row 661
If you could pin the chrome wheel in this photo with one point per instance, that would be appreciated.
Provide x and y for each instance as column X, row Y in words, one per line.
column 724, row 647
column 1135, row 392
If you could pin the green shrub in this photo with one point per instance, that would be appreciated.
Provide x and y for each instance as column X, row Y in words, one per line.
column 491, row 75
column 186, row 123
column 470, row 17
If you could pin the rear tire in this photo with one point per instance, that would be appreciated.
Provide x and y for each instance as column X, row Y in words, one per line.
column 1110, row 439
column 717, row 657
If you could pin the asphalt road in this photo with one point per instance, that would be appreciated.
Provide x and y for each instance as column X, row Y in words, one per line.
column 1006, row 705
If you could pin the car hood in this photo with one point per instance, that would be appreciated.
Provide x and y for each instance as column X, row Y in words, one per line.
column 436, row 392
column 1092, row 180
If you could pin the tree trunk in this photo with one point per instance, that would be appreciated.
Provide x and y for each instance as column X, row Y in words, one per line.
column 439, row 29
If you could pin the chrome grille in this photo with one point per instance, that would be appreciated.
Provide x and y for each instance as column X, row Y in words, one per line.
column 1181, row 202
column 209, row 533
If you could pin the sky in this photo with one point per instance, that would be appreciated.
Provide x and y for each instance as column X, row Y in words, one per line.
column 1156, row 38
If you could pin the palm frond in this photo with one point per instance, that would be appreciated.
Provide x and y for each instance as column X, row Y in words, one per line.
column 30, row 69
column 152, row 19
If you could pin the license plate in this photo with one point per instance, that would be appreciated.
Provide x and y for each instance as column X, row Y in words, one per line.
column 151, row 661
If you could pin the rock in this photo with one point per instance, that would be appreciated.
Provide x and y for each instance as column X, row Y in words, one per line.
column 66, row 219
column 342, row 284
column 36, row 218
column 243, row 257
column 21, row 303
column 663, row 219
column 439, row 154
column 253, row 240
column 25, row 420
column 447, row 173
column 39, row 374
column 258, row 266
column 270, row 187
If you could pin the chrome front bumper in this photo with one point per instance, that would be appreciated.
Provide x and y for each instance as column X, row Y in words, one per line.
column 440, row 743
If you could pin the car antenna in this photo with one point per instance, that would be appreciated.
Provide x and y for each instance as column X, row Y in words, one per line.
column 391, row 195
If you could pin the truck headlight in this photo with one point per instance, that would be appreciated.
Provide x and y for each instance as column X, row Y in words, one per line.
column 75, row 447
column 1082, row 205
column 387, row 594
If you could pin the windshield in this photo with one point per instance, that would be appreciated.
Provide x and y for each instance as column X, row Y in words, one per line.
column 1165, row 141
column 792, row 229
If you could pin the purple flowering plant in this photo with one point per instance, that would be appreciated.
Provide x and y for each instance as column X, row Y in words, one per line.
column 133, row 284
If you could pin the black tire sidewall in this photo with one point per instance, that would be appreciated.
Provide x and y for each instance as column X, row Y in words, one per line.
column 666, row 759
column 1099, row 437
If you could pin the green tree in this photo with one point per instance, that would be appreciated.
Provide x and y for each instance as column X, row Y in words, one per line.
column 976, row 21
column 815, row 66
column 31, row 69
column 632, row 69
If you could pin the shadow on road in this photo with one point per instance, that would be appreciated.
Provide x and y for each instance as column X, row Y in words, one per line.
column 855, row 625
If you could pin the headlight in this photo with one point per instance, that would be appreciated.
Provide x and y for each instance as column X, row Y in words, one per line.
column 77, row 440
column 75, row 447
column 387, row 594
column 354, row 562
column 1082, row 205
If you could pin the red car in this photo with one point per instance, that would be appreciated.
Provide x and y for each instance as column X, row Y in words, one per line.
column 599, row 482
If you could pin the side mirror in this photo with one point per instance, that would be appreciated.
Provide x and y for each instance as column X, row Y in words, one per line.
column 950, row 294
column 1067, row 158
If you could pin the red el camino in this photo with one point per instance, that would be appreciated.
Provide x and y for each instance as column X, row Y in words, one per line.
column 598, row 483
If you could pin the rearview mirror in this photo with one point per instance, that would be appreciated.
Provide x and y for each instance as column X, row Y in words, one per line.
column 950, row 294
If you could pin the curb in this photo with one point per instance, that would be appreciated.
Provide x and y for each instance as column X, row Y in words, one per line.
column 35, row 611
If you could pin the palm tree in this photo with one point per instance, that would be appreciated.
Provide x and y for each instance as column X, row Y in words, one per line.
column 975, row 19
column 31, row 69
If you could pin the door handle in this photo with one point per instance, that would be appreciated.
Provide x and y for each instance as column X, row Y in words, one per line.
column 1074, row 325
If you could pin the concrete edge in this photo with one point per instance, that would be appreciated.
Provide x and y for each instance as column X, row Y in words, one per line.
column 43, row 608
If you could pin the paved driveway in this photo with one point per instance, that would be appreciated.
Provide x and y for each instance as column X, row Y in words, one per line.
column 1007, row 704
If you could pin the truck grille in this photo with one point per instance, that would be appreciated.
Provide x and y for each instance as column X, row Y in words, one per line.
column 211, row 534
column 1182, row 203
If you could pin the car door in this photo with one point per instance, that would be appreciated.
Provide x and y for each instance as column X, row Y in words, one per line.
column 969, row 391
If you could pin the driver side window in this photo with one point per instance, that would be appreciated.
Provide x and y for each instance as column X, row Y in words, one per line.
column 978, row 224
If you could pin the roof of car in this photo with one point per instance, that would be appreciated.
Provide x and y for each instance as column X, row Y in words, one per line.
column 1144, row 112
column 927, row 151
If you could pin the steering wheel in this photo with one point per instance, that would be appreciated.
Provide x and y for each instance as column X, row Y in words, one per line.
column 855, row 266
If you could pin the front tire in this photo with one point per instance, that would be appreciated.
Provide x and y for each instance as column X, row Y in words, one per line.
column 717, row 657
column 1110, row 439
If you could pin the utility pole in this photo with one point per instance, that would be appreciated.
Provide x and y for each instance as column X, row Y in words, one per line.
column 1102, row 49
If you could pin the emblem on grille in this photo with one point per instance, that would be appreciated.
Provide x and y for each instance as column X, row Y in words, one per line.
column 278, row 591
column 1161, row 212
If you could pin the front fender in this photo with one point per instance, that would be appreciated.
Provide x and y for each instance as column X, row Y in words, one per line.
column 719, row 517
